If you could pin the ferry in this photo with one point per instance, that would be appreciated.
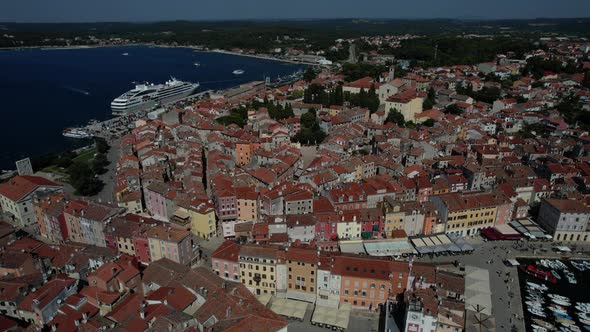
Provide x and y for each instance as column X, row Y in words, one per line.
column 147, row 96
column 76, row 133
column 238, row 72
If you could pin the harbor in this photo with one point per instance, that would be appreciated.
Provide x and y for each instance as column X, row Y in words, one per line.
column 554, row 294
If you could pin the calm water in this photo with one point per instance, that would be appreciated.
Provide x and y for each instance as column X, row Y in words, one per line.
column 44, row 91
column 576, row 293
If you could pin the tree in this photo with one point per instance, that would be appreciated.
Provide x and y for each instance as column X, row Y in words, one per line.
column 309, row 75
column 101, row 145
column 429, row 122
column 99, row 163
column 83, row 179
column 454, row 109
column 308, row 119
column 396, row 117
column 430, row 99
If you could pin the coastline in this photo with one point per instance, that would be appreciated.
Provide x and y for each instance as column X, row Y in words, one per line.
column 8, row 167
column 195, row 48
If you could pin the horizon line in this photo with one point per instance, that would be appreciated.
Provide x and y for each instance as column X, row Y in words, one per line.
column 146, row 21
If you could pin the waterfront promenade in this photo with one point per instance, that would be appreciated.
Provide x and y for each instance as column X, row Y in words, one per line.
column 504, row 284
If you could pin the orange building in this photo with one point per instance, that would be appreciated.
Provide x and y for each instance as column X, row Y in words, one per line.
column 368, row 282
column 245, row 152
column 301, row 274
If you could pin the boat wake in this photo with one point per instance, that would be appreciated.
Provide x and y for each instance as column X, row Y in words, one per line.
column 80, row 91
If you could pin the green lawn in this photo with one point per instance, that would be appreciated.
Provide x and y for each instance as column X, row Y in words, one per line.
column 86, row 156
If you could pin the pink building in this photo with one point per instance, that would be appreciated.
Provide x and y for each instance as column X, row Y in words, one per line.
column 224, row 261
column 155, row 200
column 326, row 226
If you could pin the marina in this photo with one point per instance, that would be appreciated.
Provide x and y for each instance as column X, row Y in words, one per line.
column 552, row 299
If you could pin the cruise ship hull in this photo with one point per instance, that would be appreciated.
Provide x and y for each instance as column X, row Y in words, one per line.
column 151, row 103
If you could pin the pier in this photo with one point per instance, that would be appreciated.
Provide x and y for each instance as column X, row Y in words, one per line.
column 118, row 126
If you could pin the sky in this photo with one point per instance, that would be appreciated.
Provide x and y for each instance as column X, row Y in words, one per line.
column 160, row 10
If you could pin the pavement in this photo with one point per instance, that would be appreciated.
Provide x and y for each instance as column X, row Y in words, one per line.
column 107, row 194
column 359, row 321
column 506, row 298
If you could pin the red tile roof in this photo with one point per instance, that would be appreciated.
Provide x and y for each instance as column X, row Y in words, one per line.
column 20, row 186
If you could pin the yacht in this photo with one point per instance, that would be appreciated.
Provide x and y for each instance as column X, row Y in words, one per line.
column 238, row 72
column 149, row 95
column 76, row 133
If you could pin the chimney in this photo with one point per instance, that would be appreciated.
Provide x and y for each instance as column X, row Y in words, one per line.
column 54, row 327
column 228, row 312
column 77, row 322
column 142, row 314
column 85, row 316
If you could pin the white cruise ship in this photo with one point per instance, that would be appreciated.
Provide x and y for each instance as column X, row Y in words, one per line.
column 148, row 96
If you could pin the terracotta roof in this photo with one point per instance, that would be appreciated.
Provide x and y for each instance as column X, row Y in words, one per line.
column 568, row 205
column 20, row 186
column 228, row 251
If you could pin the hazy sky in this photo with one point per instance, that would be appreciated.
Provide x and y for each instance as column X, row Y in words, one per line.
column 149, row 10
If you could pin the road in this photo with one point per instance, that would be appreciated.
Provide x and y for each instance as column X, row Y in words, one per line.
column 107, row 194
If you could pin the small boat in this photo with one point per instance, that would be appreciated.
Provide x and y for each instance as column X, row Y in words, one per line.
column 76, row 133
column 559, row 265
column 197, row 64
column 579, row 266
column 584, row 316
column 561, row 315
column 537, row 328
column 561, row 302
column 533, row 285
column 238, row 72
column 556, row 274
column 539, row 274
column 544, row 263
column 125, row 54
column 543, row 323
column 583, row 307
column 534, row 303
column 537, row 312
column 565, row 321
column 556, row 308
column 585, row 321
column 570, row 278
column 558, row 297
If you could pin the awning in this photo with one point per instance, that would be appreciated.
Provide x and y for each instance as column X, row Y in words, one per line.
column 289, row 308
column 388, row 247
column 352, row 247
column 331, row 316
column 512, row 262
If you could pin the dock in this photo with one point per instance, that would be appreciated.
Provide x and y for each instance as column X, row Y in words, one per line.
column 120, row 125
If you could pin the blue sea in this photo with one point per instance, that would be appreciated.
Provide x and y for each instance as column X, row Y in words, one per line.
column 44, row 91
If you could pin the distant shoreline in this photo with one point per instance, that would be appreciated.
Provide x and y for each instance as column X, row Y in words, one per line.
column 196, row 48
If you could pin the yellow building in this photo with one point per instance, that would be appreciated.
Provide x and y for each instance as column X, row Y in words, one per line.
column 174, row 244
column 258, row 268
column 466, row 214
column 202, row 218
column 247, row 204
column 407, row 102
column 302, row 274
